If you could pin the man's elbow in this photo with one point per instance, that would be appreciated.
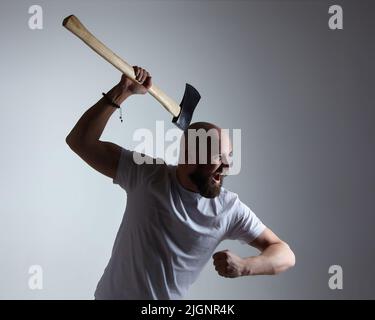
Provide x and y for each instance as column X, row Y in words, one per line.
column 70, row 141
column 74, row 143
column 289, row 260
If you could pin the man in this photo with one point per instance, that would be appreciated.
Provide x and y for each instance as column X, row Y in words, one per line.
column 175, row 215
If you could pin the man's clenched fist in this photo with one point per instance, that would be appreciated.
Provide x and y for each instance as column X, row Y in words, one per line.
column 228, row 265
column 142, row 76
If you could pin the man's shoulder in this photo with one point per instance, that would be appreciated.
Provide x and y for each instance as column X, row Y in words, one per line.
column 150, row 167
column 224, row 192
column 227, row 197
column 144, row 159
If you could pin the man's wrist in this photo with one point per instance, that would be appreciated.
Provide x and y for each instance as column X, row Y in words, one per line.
column 248, row 266
column 118, row 94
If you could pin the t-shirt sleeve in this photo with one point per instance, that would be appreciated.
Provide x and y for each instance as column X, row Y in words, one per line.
column 133, row 169
column 244, row 225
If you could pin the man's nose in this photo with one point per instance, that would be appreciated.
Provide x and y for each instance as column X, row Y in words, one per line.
column 226, row 161
column 224, row 165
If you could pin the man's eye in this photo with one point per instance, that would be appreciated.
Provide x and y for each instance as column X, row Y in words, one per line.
column 216, row 159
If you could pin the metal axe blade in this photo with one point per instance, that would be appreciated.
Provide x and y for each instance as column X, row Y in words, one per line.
column 188, row 104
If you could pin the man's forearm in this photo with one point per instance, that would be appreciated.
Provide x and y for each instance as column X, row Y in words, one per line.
column 274, row 259
column 91, row 125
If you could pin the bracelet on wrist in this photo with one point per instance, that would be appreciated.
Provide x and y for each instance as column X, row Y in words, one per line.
column 113, row 104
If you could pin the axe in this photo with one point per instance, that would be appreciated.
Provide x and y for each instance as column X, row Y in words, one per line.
column 182, row 113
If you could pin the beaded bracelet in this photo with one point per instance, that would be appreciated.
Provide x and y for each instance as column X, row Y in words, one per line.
column 113, row 104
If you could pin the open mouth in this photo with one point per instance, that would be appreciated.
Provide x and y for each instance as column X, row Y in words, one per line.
column 217, row 177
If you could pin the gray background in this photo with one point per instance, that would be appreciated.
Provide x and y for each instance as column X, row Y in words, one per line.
column 302, row 94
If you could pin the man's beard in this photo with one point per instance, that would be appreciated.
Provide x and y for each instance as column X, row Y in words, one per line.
column 206, row 185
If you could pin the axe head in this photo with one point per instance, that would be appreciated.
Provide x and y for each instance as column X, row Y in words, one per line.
column 188, row 104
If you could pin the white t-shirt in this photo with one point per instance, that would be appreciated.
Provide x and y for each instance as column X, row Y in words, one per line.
column 168, row 233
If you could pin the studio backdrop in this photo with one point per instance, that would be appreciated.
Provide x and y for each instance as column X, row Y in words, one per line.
column 296, row 78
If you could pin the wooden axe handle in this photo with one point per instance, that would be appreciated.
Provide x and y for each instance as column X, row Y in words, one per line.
column 76, row 27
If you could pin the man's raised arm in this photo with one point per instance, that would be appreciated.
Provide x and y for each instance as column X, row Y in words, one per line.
column 84, row 138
